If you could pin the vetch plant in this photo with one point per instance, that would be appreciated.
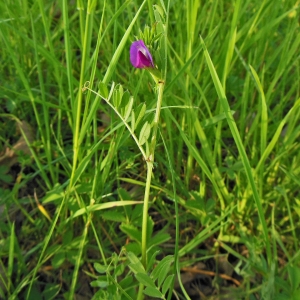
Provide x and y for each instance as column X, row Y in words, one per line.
column 140, row 57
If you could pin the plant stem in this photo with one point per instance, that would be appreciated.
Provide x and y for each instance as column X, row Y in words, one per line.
column 160, row 87
column 150, row 162
column 145, row 213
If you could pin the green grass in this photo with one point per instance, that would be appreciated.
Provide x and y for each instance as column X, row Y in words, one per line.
column 130, row 183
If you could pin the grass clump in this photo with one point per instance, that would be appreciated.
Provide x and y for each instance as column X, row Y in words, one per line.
column 179, row 182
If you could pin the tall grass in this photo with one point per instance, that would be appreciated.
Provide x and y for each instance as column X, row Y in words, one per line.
column 97, row 209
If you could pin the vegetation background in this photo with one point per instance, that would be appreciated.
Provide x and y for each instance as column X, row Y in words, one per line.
column 223, row 218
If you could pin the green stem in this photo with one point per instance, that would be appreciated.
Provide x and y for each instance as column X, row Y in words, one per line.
column 150, row 162
column 140, row 295
column 145, row 213
column 160, row 87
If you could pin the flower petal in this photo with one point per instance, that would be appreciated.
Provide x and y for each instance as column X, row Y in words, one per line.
column 140, row 56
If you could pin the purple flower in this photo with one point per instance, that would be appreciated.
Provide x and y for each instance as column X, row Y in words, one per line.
column 140, row 56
